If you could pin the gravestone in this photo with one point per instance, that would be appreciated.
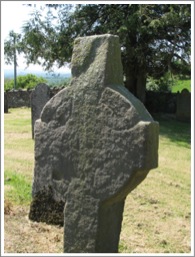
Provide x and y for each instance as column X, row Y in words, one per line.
column 39, row 97
column 183, row 112
column 94, row 143
column 5, row 103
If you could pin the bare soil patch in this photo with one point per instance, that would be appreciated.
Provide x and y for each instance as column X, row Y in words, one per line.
column 24, row 236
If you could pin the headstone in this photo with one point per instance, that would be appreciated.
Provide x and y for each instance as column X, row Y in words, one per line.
column 39, row 97
column 94, row 143
column 183, row 112
column 5, row 103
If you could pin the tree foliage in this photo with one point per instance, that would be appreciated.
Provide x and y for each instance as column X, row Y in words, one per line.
column 162, row 84
column 12, row 45
column 24, row 82
column 153, row 37
column 43, row 42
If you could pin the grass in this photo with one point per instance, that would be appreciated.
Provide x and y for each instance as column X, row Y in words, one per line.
column 19, row 188
column 18, row 156
column 157, row 214
column 180, row 84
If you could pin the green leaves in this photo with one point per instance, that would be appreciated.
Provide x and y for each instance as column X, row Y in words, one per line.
column 12, row 45
column 24, row 82
column 44, row 40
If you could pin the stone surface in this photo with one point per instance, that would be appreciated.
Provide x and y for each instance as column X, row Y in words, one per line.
column 184, row 106
column 94, row 143
column 18, row 98
column 5, row 103
column 39, row 97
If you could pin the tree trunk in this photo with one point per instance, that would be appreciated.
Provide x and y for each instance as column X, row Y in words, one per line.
column 141, row 84
column 136, row 82
column 130, row 82
column 135, row 70
column 15, row 64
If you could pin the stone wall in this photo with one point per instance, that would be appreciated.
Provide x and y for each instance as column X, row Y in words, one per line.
column 161, row 102
column 156, row 102
column 20, row 98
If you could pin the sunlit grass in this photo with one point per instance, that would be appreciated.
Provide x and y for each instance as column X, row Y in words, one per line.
column 19, row 188
column 157, row 213
column 18, row 156
column 179, row 85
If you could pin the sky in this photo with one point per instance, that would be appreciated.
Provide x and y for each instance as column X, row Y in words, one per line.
column 13, row 15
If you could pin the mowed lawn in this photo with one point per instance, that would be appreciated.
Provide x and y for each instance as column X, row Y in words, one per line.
column 157, row 214
column 180, row 84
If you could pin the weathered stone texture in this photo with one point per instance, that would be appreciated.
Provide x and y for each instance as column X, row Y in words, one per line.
column 39, row 97
column 94, row 143
column 5, row 103
column 184, row 106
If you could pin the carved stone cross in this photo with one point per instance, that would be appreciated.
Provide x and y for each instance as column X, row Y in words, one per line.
column 94, row 143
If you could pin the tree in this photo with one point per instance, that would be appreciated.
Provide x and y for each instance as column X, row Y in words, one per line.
column 151, row 36
column 24, row 82
column 12, row 46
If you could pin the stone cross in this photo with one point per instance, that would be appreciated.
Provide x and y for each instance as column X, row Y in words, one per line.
column 94, row 143
column 39, row 97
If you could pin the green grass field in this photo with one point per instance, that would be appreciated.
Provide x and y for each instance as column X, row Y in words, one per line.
column 18, row 156
column 157, row 214
column 180, row 84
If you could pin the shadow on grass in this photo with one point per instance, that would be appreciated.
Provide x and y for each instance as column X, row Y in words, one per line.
column 176, row 131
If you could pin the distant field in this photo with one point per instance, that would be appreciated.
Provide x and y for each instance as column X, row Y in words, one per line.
column 179, row 85
column 157, row 214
